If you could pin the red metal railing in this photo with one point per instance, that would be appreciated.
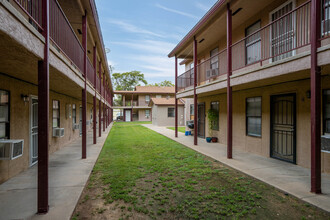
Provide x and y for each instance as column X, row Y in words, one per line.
column 33, row 9
column 278, row 40
column 212, row 67
column 186, row 79
column 63, row 36
column 90, row 72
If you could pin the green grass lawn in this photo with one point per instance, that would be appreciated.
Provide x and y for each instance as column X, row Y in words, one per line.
column 141, row 174
column 180, row 129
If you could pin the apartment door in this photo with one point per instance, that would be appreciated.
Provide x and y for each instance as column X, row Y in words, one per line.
column 80, row 120
column 201, row 120
column 283, row 127
column 282, row 32
column 127, row 115
column 33, row 130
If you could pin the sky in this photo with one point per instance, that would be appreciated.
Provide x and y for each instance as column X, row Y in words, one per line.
column 140, row 34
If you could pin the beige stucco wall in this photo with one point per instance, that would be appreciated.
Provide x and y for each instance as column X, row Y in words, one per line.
column 261, row 145
column 20, row 123
column 160, row 116
column 142, row 115
column 188, row 102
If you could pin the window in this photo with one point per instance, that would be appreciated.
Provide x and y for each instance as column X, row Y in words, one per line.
column 147, row 113
column 56, row 114
column 253, row 116
column 326, row 111
column 74, row 114
column 170, row 112
column 215, row 124
column 253, row 44
column 147, row 98
column 325, row 16
column 4, row 114
column 192, row 111
column 214, row 64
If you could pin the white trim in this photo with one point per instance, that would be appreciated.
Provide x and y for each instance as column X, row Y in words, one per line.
column 30, row 130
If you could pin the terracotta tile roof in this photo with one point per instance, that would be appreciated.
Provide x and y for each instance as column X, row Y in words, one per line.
column 164, row 101
column 154, row 89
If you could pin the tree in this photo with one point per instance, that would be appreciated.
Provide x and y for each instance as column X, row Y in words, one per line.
column 163, row 83
column 127, row 81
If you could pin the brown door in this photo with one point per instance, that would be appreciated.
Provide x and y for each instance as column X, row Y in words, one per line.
column 283, row 127
column 201, row 120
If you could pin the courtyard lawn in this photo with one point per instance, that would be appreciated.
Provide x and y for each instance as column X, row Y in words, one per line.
column 180, row 129
column 141, row 174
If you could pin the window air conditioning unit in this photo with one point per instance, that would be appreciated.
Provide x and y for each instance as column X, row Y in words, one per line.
column 58, row 132
column 75, row 127
column 212, row 73
column 11, row 149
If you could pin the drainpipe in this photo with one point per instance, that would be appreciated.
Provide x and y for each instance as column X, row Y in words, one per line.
column 229, row 89
column 43, row 115
column 94, row 99
column 100, row 102
column 84, row 94
column 176, row 99
column 195, row 95
column 315, row 99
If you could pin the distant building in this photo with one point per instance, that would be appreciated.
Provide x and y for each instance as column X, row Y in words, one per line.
column 135, row 104
column 163, row 111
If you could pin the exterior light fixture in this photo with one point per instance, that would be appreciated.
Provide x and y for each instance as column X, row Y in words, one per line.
column 308, row 94
column 25, row 98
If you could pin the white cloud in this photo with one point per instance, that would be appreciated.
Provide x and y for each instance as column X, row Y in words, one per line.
column 176, row 11
column 148, row 46
column 132, row 28
column 201, row 6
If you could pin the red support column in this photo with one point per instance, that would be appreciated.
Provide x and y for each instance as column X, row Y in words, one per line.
column 176, row 100
column 94, row 99
column 195, row 95
column 315, row 99
column 100, row 102
column 229, row 89
column 84, row 94
column 43, row 115
column 104, row 101
column 106, row 106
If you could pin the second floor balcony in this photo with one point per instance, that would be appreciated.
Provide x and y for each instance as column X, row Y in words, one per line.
column 286, row 35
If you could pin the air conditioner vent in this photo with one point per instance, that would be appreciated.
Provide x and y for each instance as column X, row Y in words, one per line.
column 11, row 149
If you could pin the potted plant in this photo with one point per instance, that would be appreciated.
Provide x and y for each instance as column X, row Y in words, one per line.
column 212, row 116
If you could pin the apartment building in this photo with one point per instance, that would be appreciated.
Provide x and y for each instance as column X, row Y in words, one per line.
column 134, row 105
column 54, row 83
column 263, row 66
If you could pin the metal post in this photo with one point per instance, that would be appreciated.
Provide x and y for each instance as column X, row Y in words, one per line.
column 43, row 115
column 229, row 89
column 195, row 95
column 94, row 99
column 100, row 102
column 315, row 99
column 104, row 101
column 106, row 106
column 84, row 94
column 176, row 100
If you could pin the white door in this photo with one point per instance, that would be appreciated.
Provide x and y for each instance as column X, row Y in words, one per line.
column 128, row 115
column 33, row 130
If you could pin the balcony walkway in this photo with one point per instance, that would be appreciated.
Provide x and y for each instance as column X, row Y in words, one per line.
column 68, row 175
column 287, row 177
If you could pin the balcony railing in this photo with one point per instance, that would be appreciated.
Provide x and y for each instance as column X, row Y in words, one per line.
column 98, row 86
column 186, row 79
column 280, row 39
column 90, row 72
column 33, row 10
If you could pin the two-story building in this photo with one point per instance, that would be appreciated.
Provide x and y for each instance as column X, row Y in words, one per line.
column 134, row 105
column 54, row 83
column 263, row 65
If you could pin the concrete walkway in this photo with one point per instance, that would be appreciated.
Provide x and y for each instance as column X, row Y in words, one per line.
column 287, row 177
column 68, row 174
